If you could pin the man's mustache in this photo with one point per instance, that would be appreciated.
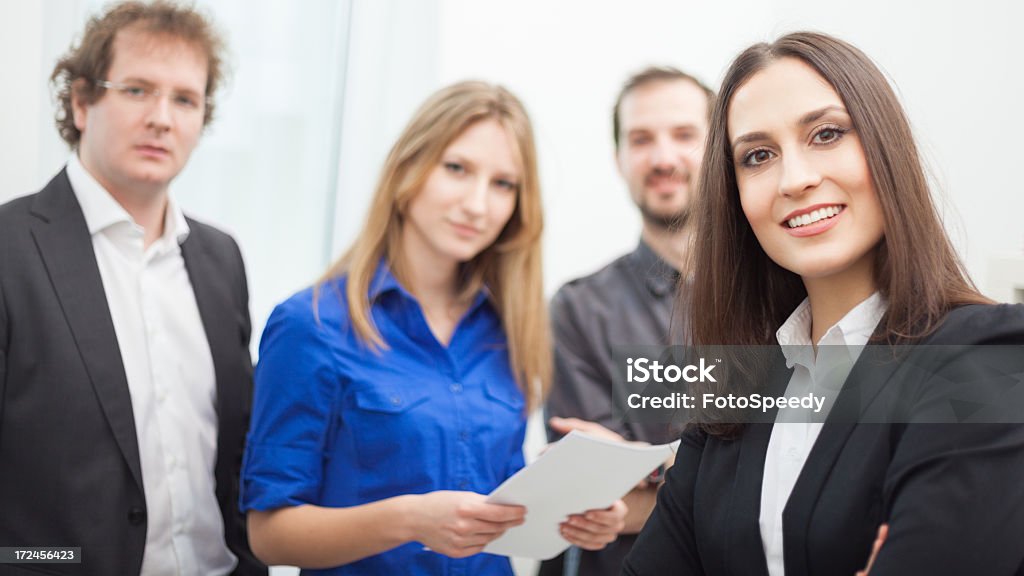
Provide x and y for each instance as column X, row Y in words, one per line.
column 678, row 175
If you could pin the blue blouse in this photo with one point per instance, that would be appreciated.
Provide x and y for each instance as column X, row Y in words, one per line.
column 335, row 424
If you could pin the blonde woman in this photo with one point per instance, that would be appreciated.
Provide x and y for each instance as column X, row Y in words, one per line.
column 393, row 394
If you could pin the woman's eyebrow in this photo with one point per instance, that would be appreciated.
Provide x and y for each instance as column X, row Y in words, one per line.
column 817, row 114
column 807, row 118
column 749, row 137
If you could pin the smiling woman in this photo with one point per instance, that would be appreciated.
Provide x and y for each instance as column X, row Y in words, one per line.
column 815, row 226
column 805, row 187
column 837, row 135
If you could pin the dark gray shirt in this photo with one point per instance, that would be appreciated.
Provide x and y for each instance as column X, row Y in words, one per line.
column 630, row 302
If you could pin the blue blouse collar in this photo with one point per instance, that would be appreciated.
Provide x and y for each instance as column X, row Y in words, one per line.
column 384, row 282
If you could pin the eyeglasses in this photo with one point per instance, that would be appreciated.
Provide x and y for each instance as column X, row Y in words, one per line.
column 142, row 93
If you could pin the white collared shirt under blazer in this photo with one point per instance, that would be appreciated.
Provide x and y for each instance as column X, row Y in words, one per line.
column 793, row 435
column 170, row 373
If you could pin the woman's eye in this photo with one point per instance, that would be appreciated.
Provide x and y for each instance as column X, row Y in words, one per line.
column 507, row 185
column 454, row 167
column 828, row 135
column 756, row 157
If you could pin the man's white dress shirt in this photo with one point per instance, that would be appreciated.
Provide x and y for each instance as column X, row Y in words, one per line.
column 171, row 380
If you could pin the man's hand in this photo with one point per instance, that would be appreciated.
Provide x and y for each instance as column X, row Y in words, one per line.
column 566, row 425
column 595, row 529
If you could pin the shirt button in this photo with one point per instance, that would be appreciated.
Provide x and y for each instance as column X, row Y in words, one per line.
column 464, row 436
column 455, row 388
column 395, row 400
column 171, row 462
column 463, row 485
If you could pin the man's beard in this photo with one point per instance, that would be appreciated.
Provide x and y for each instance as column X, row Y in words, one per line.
column 668, row 222
column 672, row 221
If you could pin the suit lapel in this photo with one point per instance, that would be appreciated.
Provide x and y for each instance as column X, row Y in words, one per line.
column 64, row 243
column 211, row 287
column 873, row 369
column 218, row 283
column 747, row 555
column 745, row 511
column 869, row 375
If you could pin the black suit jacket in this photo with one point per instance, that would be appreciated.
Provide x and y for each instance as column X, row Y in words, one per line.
column 70, row 473
column 953, row 494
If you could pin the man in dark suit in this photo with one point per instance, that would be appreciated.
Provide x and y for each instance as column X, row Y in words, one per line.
column 125, row 375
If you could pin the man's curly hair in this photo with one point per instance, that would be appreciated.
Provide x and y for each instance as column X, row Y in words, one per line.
column 78, row 70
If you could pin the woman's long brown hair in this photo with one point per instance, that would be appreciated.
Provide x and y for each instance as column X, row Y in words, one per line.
column 740, row 296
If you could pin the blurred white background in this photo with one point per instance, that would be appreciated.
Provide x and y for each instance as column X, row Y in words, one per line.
column 320, row 89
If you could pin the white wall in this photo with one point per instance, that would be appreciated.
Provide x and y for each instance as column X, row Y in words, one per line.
column 956, row 65
column 30, row 43
column 391, row 67
column 21, row 101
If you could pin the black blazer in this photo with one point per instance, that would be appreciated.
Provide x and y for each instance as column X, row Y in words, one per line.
column 69, row 459
column 953, row 494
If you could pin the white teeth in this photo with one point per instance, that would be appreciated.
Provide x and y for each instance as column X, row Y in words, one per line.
column 815, row 216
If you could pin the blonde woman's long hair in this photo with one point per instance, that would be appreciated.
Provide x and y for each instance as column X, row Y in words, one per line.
column 510, row 268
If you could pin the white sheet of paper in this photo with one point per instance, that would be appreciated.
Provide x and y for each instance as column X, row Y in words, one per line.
column 575, row 474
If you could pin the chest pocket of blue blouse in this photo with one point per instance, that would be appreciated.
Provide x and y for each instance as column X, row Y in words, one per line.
column 507, row 396
column 391, row 433
column 507, row 414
